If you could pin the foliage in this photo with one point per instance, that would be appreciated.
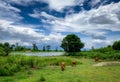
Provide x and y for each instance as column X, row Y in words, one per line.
column 116, row 45
column 44, row 49
column 35, row 48
column 48, row 47
column 2, row 52
column 109, row 55
column 81, row 73
column 14, row 63
column 72, row 43
column 7, row 48
column 42, row 79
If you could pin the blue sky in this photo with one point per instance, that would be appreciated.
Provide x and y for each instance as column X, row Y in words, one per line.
column 47, row 22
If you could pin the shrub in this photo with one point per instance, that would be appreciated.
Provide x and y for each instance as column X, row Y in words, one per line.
column 2, row 52
column 116, row 45
column 42, row 79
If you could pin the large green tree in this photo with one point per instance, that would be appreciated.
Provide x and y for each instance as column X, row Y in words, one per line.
column 72, row 43
column 116, row 45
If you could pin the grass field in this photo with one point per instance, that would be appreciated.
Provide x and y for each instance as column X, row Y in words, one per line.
column 84, row 72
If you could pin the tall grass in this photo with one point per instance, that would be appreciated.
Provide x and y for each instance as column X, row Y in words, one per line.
column 14, row 63
column 110, row 55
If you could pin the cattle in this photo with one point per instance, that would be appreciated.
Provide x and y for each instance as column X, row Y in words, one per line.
column 63, row 66
column 96, row 59
column 73, row 63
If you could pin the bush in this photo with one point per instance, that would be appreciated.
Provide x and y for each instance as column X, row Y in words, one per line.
column 116, row 45
column 42, row 79
column 2, row 52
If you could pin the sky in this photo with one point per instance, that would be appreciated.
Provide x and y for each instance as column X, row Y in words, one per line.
column 47, row 22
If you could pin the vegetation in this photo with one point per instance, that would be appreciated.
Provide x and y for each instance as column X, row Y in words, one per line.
column 5, row 49
column 2, row 52
column 72, row 43
column 48, row 47
column 14, row 68
column 35, row 48
column 44, row 49
column 116, row 45
column 84, row 72
column 14, row 63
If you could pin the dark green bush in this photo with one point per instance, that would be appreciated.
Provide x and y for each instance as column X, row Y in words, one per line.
column 42, row 79
column 2, row 52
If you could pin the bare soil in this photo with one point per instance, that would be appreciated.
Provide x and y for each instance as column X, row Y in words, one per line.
column 110, row 63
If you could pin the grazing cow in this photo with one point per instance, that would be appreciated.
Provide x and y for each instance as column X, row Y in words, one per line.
column 73, row 63
column 96, row 59
column 63, row 66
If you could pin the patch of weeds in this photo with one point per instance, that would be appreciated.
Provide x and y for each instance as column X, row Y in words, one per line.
column 79, row 81
column 41, row 79
column 8, row 80
column 29, row 72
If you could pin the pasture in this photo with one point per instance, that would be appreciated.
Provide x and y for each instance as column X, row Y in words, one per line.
column 84, row 71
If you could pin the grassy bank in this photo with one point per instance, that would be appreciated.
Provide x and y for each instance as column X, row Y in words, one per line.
column 84, row 72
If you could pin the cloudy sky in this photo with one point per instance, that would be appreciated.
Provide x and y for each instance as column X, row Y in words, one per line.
column 96, row 22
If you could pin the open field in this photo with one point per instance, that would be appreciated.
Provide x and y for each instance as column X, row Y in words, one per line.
column 84, row 71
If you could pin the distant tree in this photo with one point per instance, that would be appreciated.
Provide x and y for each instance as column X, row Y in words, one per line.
column 116, row 45
column 48, row 47
column 56, row 49
column 44, row 48
column 7, row 48
column 72, row 43
column 35, row 48
column 92, row 48
column 12, row 47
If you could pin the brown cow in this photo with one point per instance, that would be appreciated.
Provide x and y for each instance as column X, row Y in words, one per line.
column 73, row 63
column 96, row 59
column 63, row 66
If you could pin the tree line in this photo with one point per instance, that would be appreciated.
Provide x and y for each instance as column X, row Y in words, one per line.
column 6, row 48
column 70, row 43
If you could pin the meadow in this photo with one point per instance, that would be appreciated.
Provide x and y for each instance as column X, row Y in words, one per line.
column 21, row 68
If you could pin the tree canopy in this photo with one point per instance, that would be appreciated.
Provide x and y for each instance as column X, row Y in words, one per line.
column 7, row 48
column 72, row 43
column 116, row 45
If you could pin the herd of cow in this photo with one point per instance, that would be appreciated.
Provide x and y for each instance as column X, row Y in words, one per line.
column 73, row 63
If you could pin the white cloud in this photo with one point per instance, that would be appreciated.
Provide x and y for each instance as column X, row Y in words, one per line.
column 93, row 23
column 9, row 12
column 94, row 2
column 59, row 5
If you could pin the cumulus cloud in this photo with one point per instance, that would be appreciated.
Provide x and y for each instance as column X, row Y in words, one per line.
column 59, row 5
column 94, row 22
column 9, row 12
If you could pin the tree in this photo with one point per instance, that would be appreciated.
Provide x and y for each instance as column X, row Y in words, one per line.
column 116, row 45
column 48, row 47
column 7, row 48
column 12, row 47
column 72, row 43
column 44, row 48
column 56, row 49
column 35, row 48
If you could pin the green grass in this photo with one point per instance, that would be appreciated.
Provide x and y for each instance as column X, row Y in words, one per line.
column 84, row 72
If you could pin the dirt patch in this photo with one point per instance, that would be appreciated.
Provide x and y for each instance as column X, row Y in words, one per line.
column 110, row 63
